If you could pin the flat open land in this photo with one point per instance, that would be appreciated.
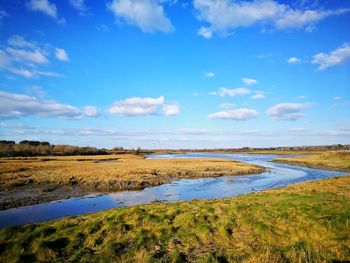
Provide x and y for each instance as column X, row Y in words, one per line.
column 308, row 222
column 26, row 181
column 338, row 161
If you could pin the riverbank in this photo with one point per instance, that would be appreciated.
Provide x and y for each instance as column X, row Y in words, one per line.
column 337, row 161
column 26, row 181
column 308, row 222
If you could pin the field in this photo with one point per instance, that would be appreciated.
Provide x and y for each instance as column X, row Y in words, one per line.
column 26, row 181
column 339, row 161
column 301, row 223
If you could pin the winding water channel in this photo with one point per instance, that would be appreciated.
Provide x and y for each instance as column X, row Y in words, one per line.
column 279, row 175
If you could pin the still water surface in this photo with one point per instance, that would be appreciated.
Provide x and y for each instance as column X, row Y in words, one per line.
column 279, row 175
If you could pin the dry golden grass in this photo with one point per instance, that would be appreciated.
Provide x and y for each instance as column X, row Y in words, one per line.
column 337, row 160
column 113, row 172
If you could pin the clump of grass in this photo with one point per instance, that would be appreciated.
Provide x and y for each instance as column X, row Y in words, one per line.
column 301, row 223
column 332, row 160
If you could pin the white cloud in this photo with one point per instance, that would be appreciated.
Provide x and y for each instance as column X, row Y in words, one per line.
column 19, row 42
column 25, row 58
column 231, row 92
column 226, row 105
column 91, row 111
column 293, row 60
column 249, row 81
column 335, row 57
column 209, row 74
column 337, row 98
column 205, row 32
column 13, row 105
column 143, row 106
column 61, row 54
column 237, row 115
column 287, row 111
column 79, row 5
column 259, row 94
column 226, row 15
column 45, row 7
column 35, row 56
column 148, row 15
column 171, row 109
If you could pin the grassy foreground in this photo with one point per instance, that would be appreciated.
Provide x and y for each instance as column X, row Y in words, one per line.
column 48, row 178
column 301, row 223
column 339, row 161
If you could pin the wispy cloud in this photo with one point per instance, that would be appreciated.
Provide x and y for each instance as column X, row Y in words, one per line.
column 231, row 92
column 27, row 58
column 137, row 106
column 209, row 74
column 293, row 60
column 148, row 15
column 249, row 81
column 45, row 7
column 259, row 94
column 287, row 111
column 79, row 5
column 335, row 57
column 226, row 105
column 237, row 115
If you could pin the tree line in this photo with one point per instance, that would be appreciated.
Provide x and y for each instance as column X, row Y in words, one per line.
column 37, row 148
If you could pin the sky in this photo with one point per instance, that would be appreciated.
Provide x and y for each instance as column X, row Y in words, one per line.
column 174, row 73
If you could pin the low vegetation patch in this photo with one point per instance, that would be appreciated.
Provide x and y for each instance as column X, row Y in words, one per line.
column 336, row 160
column 301, row 223
column 104, row 173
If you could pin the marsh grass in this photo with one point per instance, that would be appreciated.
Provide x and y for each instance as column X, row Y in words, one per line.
column 336, row 160
column 113, row 172
column 301, row 223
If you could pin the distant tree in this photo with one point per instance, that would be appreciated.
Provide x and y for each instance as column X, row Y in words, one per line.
column 138, row 151
column 7, row 142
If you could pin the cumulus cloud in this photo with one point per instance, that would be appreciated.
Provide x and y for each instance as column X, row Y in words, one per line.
column 25, row 58
column 231, row 92
column 249, row 81
column 45, row 7
column 170, row 109
column 287, row 111
column 335, row 57
column 136, row 106
column 61, row 54
column 14, row 105
column 225, row 15
column 148, row 15
column 293, row 60
column 237, row 115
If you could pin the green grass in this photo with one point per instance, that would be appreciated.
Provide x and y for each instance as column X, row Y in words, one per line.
column 302, row 223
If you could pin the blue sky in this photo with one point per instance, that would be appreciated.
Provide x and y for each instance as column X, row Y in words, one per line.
column 175, row 74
